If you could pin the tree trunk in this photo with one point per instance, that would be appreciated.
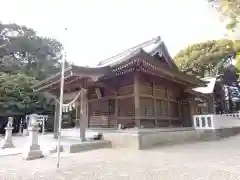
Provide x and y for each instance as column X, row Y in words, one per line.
column 230, row 100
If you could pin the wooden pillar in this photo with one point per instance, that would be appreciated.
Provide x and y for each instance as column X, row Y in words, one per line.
column 192, row 106
column 155, row 103
column 137, row 100
column 77, row 113
column 180, row 113
column 211, row 108
column 56, row 120
column 169, row 111
column 116, row 110
column 84, row 114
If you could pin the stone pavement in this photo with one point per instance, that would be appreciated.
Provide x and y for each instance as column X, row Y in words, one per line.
column 219, row 160
column 46, row 142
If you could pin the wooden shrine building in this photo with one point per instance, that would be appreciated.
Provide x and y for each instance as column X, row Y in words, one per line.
column 142, row 88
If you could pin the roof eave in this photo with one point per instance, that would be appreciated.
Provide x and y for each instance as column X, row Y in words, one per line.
column 197, row 93
column 51, row 78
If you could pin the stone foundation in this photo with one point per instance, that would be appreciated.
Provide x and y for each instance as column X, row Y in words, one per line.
column 140, row 139
column 218, row 134
column 85, row 146
column 146, row 138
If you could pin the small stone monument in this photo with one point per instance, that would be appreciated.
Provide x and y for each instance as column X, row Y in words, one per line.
column 25, row 132
column 33, row 150
column 26, row 124
column 20, row 132
column 7, row 142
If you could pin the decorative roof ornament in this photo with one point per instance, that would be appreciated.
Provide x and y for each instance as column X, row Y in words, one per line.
column 127, row 52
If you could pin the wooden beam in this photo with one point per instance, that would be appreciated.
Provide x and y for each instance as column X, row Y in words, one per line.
column 169, row 110
column 180, row 112
column 53, row 78
column 192, row 107
column 165, row 77
column 157, row 98
column 150, row 118
column 50, row 84
column 211, row 108
column 112, row 97
column 125, row 117
column 155, row 102
column 116, row 109
column 136, row 99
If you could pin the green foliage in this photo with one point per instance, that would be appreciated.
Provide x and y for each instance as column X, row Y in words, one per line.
column 238, row 63
column 25, row 58
column 21, row 50
column 17, row 97
column 209, row 56
column 229, row 10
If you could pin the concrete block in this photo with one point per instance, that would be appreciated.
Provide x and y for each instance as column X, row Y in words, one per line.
column 85, row 146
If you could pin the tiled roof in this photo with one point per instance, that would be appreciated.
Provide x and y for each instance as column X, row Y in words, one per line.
column 207, row 89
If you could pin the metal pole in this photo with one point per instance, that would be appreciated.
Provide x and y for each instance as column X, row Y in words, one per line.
column 76, row 116
column 43, row 125
column 60, row 110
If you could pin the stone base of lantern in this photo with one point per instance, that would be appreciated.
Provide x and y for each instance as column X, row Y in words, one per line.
column 33, row 152
column 25, row 132
column 5, row 145
column 19, row 133
column 7, row 142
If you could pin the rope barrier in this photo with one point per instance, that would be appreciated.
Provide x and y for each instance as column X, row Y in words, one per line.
column 70, row 104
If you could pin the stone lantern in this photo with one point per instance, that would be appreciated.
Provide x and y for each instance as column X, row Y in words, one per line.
column 7, row 142
column 33, row 150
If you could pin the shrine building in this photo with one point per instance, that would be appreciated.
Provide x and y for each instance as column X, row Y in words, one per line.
column 142, row 87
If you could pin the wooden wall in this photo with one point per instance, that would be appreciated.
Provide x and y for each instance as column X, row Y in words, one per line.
column 115, row 106
column 158, row 103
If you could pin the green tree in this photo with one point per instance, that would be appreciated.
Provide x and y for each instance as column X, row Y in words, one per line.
column 238, row 62
column 25, row 58
column 21, row 50
column 229, row 10
column 207, row 57
column 17, row 97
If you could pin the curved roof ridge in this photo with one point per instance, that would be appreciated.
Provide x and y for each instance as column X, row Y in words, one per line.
column 133, row 50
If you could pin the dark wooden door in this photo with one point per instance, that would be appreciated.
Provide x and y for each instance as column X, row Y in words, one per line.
column 186, row 115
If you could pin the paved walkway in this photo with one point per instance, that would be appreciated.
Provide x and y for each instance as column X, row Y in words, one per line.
column 218, row 160
column 46, row 141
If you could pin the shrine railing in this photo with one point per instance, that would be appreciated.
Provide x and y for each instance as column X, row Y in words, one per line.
column 232, row 115
column 215, row 121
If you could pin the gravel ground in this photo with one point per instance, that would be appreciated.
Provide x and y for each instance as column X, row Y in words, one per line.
column 218, row 160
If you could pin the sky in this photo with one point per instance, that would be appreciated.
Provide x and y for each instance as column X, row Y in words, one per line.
column 98, row 29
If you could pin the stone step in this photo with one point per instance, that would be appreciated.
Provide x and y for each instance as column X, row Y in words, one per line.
column 85, row 146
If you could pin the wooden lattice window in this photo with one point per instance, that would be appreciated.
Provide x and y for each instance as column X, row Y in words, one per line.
column 161, row 108
column 111, row 107
column 104, row 108
column 174, row 109
column 125, row 90
column 126, row 107
column 160, row 91
column 149, row 107
column 146, row 88
column 158, row 108
column 146, row 107
column 198, row 110
column 95, row 108
column 164, row 107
